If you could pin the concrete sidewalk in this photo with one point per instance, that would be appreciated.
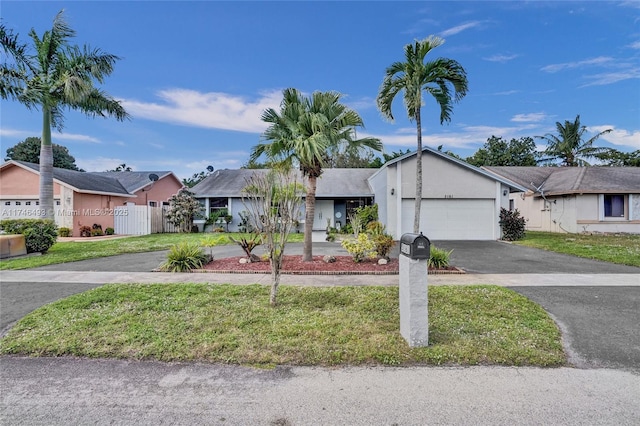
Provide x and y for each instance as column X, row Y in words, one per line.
column 507, row 280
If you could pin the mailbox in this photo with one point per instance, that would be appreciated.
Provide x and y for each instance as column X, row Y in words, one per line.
column 415, row 246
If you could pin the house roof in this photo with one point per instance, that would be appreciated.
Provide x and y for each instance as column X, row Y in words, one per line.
column 333, row 183
column 107, row 183
column 573, row 180
column 80, row 181
column 513, row 185
column 135, row 181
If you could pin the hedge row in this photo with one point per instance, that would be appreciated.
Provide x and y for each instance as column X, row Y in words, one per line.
column 39, row 234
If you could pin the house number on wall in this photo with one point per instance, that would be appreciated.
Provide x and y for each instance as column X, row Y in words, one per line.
column 448, row 196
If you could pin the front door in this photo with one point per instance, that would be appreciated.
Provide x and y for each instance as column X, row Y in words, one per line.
column 324, row 212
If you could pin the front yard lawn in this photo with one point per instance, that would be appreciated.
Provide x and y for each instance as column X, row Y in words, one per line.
column 72, row 251
column 623, row 249
column 312, row 326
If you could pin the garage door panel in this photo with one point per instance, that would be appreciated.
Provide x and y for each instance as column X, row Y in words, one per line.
column 452, row 219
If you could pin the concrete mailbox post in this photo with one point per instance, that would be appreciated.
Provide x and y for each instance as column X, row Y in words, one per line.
column 415, row 250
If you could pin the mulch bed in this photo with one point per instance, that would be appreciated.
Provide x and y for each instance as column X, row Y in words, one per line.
column 293, row 264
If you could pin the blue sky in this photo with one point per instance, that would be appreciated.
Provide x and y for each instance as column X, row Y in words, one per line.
column 196, row 76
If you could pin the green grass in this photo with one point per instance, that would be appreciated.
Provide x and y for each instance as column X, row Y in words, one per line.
column 311, row 326
column 621, row 249
column 62, row 252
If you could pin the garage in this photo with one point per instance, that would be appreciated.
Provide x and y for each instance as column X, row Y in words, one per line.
column 452, row 219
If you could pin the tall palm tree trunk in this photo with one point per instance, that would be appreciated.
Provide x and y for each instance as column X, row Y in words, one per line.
column 46, row 166
column 310, row 212
column 416, row 217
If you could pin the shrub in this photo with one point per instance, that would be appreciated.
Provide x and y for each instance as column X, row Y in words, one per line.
column 184, row 257
column 109, row 231
column 360, row 248
column 39, row 234
column 439, row 258
column 64, row 232
column 97, row 232
column 85, row 231
column 384, row 243
column 512, row 224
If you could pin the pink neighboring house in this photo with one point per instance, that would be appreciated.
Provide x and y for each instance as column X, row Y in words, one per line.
column 81, row 198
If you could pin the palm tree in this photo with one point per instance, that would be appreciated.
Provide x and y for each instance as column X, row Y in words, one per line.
column 303, row 132
column 57, row 76
column 444, row 79
column 569, row 147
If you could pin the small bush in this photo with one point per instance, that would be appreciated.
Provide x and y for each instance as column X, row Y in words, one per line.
column 384, row 243
column 97, row 232
column 439, row 258
column 184, row 257
column 64, row 232
column 360, row 248
column 109, row 231
column 85, row 231
column 39, row 234
column 512, row 224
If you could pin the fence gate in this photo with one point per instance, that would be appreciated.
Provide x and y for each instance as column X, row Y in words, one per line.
column 141, row 220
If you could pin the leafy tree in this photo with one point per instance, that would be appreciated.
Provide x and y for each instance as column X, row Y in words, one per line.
column 183, row 209
column 449, row 153
column 197, row 177
column 379, row 162
column 55, row 76
column 568, row 145
column 273, row 202
column 122, row 168
column 616, row 158
column 303, row 132
column 444, row 79
column 498, row 152
column 254, row 164
column 343, row 156
column 29, row 150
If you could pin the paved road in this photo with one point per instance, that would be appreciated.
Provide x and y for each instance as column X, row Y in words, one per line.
column 45, row 391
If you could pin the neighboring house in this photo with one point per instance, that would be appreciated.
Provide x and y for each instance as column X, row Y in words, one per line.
column 80, row 198
column 339, row 192
column 460, row 201
column 577, row 199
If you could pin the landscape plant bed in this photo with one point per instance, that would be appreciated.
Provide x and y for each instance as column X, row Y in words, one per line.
column 293, row 264
column 221, row 323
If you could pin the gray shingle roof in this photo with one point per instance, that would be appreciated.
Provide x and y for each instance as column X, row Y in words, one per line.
column 133, row 181
column 573, row 180
column 332, row 183
column 84, row 181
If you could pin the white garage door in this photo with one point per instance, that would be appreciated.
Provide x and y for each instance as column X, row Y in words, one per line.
column 452, row 219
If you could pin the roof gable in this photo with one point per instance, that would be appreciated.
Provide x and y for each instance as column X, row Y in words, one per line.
column 508, row 182
column 135, row 181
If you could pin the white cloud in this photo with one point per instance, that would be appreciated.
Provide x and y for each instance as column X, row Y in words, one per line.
column 500, row 58
column 211, row 110
column 13, row 133
column 600, row 60
column 506, row 93
column 635, row 45
column 460, row 28
column 619, row 137
column 101, row 164
column 535, row 117
column 74, row 137
column 612, row 77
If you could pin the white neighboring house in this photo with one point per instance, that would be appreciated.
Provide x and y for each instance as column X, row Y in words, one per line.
column 459, row 201
column 577, row 199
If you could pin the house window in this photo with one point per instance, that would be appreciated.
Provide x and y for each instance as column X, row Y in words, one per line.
column 216, row 204
column 613, row 205
column 512, row 205
column 153, row 204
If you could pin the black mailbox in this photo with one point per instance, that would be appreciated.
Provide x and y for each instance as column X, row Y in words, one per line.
column 415, row 246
